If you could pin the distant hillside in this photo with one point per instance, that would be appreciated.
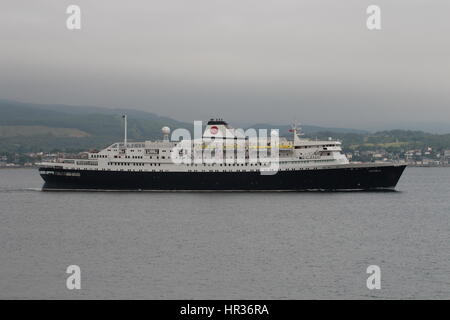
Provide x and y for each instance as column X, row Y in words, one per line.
column 39, row 127
column 32, row 127
column 26, row 127
column 94, row 120
column 30, row 131
column 392, row 140
column 307, row 129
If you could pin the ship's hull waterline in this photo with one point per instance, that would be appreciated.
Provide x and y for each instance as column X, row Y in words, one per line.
column 339, row 178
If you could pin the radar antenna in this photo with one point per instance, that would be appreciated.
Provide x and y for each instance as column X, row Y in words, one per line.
column 296, row 129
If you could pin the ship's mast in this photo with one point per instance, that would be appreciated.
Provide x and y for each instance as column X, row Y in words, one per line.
column 297, row 132
column 125, row 131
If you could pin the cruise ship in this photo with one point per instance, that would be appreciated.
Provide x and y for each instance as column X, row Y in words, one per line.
column 220, row 159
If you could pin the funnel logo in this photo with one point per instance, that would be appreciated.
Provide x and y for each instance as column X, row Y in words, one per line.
column 214, row 130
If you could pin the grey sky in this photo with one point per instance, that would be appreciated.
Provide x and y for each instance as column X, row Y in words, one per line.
column 244, row 60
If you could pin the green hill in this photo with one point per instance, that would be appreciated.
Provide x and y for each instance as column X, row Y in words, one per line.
column 26, row 127
column 30, row 127
column 393, row 140
column 38, row 127
column 30, row 131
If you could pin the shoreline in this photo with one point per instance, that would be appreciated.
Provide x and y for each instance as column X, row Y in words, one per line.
column 408, row 165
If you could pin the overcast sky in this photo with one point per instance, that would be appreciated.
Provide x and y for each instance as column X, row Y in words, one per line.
column 243, row 60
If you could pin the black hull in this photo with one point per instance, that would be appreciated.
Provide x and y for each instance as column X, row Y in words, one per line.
column 344, row 178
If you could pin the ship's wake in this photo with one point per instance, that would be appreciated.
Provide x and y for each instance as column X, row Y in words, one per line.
column 9, row 190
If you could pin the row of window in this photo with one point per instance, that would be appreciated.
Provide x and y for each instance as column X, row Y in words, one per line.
column 316, row 146
column 87, row 163
column 139, row 157
column 140, row 164
column 132, row 157
column 251, row 170
column 157, row 157
column 260, row 163
column 62, row 173
column 226, row 164
column 214, row 164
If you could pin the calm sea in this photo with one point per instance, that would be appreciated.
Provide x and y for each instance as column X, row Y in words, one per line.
column 225, row 245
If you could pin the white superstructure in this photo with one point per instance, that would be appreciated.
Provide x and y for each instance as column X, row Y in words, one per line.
column 295, row 154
